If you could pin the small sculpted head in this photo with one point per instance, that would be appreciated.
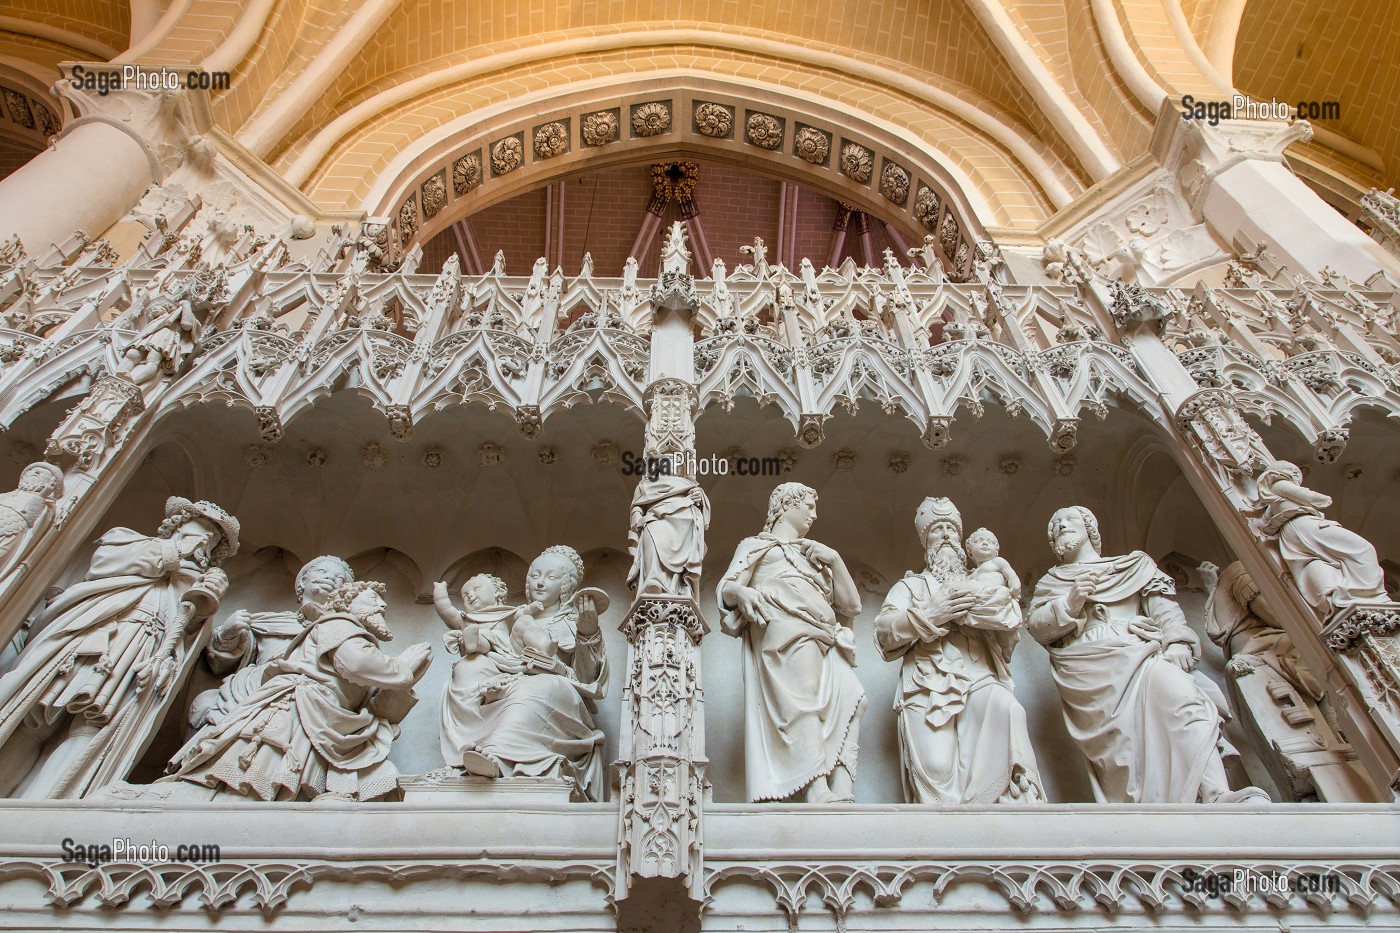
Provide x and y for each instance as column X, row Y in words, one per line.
column 554, row 576
column 363, row 601
column 43, row 479
column 982, row 546
column 483, row 591
column 794, row 502
column 1070, row 528
column 320, row 577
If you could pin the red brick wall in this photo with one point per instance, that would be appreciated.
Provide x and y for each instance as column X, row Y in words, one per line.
column 604, row 211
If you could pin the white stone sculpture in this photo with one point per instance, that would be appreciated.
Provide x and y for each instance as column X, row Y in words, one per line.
column 521, row 701
column 962, row 733
column 244, row 644
column 90, row 690
column 321, row 724
column 1121, row 653
column 792, row 600
column 27, row 511
column 163, row 344
column 1281, row 704
column 1333, row 566
column 667, row 536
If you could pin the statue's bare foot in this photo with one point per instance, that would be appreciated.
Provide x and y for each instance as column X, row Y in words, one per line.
column 1243, row 795
column 474, row 762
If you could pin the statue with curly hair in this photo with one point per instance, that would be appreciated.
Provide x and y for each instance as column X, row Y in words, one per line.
column 521, row 701
column 90, row 691
column 244, row 643
column 321, row 725
column 791, row 600
column 1121, row 653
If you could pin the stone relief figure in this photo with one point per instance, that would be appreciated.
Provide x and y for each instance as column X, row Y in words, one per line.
column 521, row 701
column 92, row 687
column 962, row 733
column 246, row 642
column 1121, row 653
column 160, row 347
column 320, row 725
column 1333, row 566
column 27, row 511
column 791, row 600
column 1282, row 705
column 667, row 536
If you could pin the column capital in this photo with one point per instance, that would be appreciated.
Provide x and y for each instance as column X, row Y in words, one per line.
column 1198, row 152
column 166, row 123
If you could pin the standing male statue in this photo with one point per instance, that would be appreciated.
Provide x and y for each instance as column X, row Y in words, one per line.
column 792, row 601
column 962, row 733
column 1121, row 652
column 92, row 687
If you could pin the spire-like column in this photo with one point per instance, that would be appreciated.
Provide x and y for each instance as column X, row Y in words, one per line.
column 1352, row 649
column 1235, row 180
column 660, row 775
column 119, row 144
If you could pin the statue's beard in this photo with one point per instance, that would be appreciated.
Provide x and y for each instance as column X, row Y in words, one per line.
column 948, row 562
column 377, row 626
column 1067, row 543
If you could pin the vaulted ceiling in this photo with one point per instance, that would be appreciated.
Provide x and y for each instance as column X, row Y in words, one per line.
column 1034, row 101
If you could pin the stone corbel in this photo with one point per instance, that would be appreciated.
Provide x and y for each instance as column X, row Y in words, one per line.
column 1213, row 419
column 670, row 408
column 1134, row 306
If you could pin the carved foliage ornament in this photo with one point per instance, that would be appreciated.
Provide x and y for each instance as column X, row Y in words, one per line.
column 926, row 206
column 466, row 174
column 812, row 145
column 764, row 131
column 506, row 155
column 408, row 219
column 434, row 194
column 857, row 162
column 599, row 128
column 18, row 106
column 551, row 139
column 651, row 119
column 894, row 183
column 713, row 120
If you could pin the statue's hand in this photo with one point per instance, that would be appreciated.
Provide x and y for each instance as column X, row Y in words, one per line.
column 587, row 615
column 752, row 605
column 233, row 632
column 156, row 673
column 820, row 554
column 1083, row 587
column 945, row 606
column 1180, row 655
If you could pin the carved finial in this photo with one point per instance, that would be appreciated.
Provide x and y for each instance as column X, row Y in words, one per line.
column 759, row 252
column 675, row 257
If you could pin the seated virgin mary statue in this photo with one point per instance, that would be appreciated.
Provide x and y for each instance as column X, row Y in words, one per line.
column 522, row 699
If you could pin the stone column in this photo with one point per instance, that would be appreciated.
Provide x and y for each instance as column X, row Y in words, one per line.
column 660, row 775
column 119, row 144
column 87, row 180
column 1353, row 653
column 1236, row 181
